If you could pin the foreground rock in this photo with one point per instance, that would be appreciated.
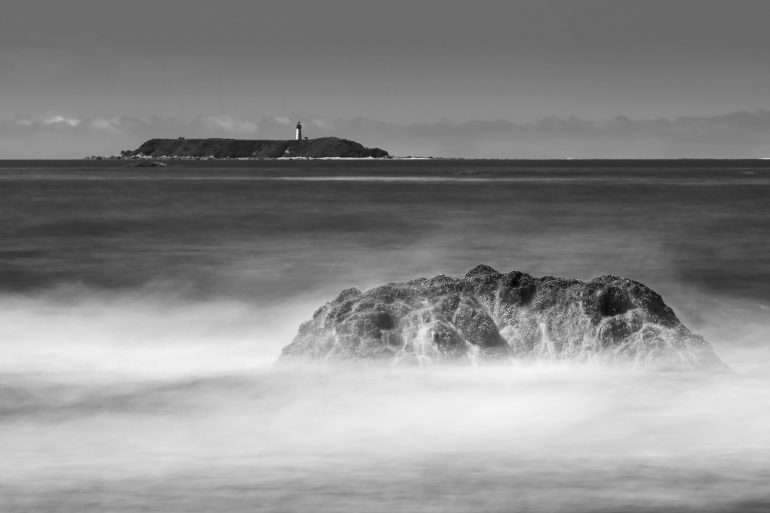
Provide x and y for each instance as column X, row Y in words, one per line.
column 489, row 315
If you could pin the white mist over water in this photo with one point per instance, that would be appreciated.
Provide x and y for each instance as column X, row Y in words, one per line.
column 137, row 336
column 150, row 402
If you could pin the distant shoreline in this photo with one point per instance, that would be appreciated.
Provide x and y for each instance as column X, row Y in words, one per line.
column 246, row 149
column 558, row 161
column 415, row 158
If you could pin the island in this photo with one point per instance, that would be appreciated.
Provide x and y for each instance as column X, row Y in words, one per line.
column 182, row 148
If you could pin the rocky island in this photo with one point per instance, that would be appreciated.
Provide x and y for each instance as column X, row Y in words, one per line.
column 181, row 148
column 493, row 316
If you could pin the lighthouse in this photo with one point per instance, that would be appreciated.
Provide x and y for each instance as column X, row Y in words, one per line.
column 299, row 131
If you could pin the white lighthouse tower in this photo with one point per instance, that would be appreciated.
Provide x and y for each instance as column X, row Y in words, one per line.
column 299, row 131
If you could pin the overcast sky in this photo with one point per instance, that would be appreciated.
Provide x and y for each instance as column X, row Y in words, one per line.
column 98, row 76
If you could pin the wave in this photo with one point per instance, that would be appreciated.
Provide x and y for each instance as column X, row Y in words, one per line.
column 555, row 437
column 156, row 401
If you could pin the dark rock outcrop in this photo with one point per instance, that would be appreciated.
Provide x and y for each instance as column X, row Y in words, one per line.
column 324, row 147
column 149, row 163
column 488, row 315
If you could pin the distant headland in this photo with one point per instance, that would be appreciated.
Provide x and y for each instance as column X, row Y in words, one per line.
column 182, row 148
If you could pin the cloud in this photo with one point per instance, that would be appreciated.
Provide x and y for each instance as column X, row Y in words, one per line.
column 76, row 137
column 225, row 124
column 739, row 134
column 61, row 119
column 109, row 125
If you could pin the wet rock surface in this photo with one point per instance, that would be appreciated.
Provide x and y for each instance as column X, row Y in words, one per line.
column 493, row 316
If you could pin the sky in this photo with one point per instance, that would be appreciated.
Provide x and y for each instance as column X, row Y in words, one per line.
column 482, row 78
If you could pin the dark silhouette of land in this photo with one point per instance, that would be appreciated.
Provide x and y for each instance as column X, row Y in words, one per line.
column 324, row 147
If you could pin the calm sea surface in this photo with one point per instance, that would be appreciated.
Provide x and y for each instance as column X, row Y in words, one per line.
column 141, row 310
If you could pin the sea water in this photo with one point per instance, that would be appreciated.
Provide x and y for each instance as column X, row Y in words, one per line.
column 142, row 309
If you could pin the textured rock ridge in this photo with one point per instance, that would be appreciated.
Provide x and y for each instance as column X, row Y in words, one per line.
column 324, row 147
column 488, row 315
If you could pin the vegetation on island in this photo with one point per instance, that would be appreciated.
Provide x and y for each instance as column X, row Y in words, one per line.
column 324, row 147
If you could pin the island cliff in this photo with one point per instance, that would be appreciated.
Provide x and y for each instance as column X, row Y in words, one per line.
column 488, row 315
column 324, row 147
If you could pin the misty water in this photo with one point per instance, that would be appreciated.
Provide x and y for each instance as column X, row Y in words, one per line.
column 142, row 310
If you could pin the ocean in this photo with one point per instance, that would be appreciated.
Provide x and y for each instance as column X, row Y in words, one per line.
column 142, row 310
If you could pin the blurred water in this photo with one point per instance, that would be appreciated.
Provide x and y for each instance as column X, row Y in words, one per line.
column 141, row 311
